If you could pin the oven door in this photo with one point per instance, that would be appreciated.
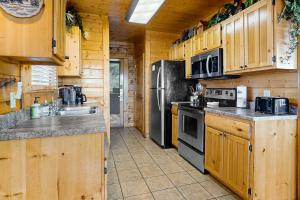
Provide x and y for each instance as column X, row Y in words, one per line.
column 191, row 127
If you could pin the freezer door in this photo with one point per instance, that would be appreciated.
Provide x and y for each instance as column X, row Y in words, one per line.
column 156, row 76
column 157, row 116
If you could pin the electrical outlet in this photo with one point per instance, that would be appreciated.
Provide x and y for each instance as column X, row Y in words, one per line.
column 267, row 93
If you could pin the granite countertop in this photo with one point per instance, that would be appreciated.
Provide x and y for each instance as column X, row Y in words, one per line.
column 247, row 114
column 55, row 126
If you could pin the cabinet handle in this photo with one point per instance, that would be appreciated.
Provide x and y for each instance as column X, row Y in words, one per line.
column 67, row 57
column 246, row 66
column 241, row 67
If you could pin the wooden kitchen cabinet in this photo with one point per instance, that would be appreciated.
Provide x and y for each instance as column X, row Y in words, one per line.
column 214, row 152
column 203, row 42
column 72, row 65
column 180, row 51
column 247, row 156
column 174, row 112
column 233, row 43
column 188, row 53
column 35, row 40
column 213, row 37
column 67, row 167
column 236, row 162
column 255, row 40
column 258, row 32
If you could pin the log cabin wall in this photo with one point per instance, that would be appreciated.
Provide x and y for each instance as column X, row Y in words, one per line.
column 139, row 46
column 8, row 71
column 280, row 83
column 125, row 52
column 95, row 62
column 157, row 45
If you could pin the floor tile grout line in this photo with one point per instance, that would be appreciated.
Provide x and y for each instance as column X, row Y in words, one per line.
column 135, row 164
column 165, row 173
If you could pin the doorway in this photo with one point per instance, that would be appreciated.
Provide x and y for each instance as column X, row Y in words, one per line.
column 116, row 93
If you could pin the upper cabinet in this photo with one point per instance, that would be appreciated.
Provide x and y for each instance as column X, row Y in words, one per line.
column 188, row 53
column 254, row 40
column 213, row 37
column 35, row 40
column 72, row 65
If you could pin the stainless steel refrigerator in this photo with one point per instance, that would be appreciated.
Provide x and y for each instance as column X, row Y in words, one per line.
column 168, row 85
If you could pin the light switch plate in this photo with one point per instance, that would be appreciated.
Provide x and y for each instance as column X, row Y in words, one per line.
column 12, row 100
column 267, row 93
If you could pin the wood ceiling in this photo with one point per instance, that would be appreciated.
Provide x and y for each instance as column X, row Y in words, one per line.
column 174, row 15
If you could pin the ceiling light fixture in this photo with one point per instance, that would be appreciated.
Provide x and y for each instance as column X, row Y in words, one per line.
column 141, row 11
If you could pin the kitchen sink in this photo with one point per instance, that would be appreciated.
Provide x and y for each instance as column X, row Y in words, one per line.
column 77, row 110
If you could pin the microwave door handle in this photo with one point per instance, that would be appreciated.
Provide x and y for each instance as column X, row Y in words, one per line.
column 207, row 65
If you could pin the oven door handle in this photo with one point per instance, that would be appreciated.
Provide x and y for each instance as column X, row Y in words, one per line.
column 209, row 73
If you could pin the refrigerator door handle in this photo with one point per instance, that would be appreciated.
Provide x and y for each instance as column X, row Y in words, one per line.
column 157, row 86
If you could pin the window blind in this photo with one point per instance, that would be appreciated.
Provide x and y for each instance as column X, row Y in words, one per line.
column 42, row 75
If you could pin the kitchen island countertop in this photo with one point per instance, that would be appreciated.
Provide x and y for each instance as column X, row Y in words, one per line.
column 55, row 126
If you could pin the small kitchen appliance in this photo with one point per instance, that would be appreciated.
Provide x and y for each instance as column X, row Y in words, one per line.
column 71, row 95
column 191, row 127
column 272, row 105
column 241, row 101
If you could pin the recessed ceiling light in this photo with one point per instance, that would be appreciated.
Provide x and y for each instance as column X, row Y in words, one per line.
column 141, row 11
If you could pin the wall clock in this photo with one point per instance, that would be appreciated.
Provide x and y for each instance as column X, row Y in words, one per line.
column 22, row 8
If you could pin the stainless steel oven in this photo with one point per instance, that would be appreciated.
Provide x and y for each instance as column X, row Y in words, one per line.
column 191, row 135
column 208, row 65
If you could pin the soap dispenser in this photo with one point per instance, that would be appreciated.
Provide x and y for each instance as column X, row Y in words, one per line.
column 35, row 109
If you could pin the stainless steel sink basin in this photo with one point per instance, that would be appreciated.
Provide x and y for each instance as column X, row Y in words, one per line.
column 77, row 111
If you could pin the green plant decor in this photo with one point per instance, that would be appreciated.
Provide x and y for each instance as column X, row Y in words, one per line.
column 291, row 13
column 249, row 3
column 74, row 19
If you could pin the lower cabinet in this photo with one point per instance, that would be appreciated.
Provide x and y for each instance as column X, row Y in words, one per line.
column 175, row 125
column 58, row 168
column 255, row 159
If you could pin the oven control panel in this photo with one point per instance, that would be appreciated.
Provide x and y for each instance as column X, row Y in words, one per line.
column 225, row 94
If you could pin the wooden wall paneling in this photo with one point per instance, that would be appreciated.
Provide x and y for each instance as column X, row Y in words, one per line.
column 8, row 71
column 95, row 63
column 106, row 57
column 280, row 83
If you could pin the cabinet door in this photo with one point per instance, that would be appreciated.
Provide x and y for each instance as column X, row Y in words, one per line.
column 41, row 167
column 188, row 51
column 214, row 152
column 12, row 170
column 72, row 65
column 180, row 51
column 214, row 37
column 259, row 34
column 236, row 162
column 84, row 154
column 203, row 41
column 233, row 43
column 59, row 29
column 175, row 130
column 197, row 48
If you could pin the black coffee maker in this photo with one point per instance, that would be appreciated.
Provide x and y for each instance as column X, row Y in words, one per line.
column 79, row 97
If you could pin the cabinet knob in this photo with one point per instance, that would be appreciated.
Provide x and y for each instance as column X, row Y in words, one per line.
column 67, row 57
column 241, row 67
column 246, row 66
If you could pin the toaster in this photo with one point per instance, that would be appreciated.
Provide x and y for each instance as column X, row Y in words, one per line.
column 272, row 105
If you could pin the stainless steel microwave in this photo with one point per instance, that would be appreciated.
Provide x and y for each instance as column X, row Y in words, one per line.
column 208, row 64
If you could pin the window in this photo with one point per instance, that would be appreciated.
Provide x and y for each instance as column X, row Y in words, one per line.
column 44, row 76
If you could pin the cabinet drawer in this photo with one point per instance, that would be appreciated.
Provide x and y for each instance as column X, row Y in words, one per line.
column 229, row 125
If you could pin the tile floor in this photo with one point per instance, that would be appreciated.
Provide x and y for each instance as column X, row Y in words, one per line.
column 138, row 169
